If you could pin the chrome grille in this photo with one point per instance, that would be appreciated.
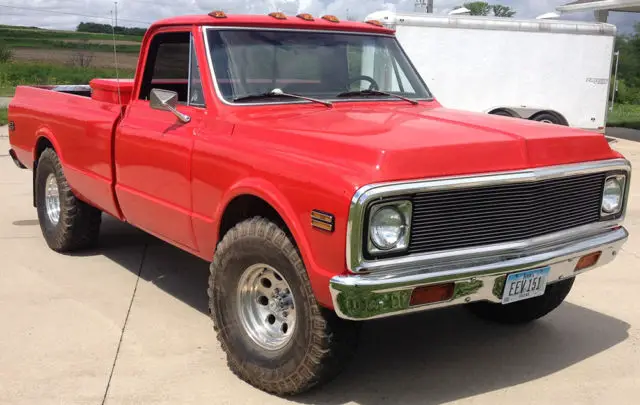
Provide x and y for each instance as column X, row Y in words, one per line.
column 470, row 217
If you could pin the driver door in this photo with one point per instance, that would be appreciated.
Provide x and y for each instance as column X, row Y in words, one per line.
column 153, row 147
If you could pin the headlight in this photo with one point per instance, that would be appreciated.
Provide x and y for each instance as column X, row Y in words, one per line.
column 389, row 227
column 613, row 194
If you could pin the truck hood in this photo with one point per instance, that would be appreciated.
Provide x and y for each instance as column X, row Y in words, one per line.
column 397, row 142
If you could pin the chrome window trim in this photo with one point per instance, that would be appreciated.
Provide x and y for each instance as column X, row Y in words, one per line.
column 357, row 263
column 333, row 100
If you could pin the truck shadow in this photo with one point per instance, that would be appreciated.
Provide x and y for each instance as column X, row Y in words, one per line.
column 425, row 358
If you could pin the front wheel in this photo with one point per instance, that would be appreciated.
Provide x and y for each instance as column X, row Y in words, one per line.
column 276, row 336
column 527, row 310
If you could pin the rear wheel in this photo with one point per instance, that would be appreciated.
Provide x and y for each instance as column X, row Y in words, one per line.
column 67, row 223
column 276, row 336
column 527, row 310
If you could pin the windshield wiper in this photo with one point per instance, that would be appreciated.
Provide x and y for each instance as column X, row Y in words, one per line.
column 371, row 92
column 280, row 93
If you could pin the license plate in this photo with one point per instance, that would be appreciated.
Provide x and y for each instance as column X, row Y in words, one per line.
column 525, row 285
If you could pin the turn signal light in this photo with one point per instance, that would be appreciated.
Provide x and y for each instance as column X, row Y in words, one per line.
column 278, row 15
column 305, row 16
column 331, row 18
column 432, row 293
column 375, row 22
column 588, row 261
column 217, row 14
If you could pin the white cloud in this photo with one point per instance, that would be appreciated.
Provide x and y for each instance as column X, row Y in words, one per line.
column 135, row 12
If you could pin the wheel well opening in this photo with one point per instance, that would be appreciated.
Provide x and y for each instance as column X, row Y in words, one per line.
column 245, row 207
column 42, row 144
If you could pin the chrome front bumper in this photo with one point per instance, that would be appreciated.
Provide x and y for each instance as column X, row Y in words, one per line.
column 387, row 293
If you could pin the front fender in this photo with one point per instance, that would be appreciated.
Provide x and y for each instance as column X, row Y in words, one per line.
column 268, row 192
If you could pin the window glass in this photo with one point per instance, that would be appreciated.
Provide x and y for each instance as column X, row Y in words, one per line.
column 312, row 64
column 167, row 65
column 196, row 94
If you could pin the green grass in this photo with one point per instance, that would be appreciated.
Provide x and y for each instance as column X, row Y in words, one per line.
column 19, row 73
column 17, row 37
column 9, row 32
column 3, row 116
column 7, row 91
column 624, row 115
column 55, row 44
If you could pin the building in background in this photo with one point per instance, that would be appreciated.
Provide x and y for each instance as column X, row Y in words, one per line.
column 601, row 8
column 423, row 6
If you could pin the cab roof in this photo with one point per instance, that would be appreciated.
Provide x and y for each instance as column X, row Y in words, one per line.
column 266, row 21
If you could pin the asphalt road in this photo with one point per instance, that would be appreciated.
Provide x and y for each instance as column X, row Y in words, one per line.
column 624, row 133
column 127, row 323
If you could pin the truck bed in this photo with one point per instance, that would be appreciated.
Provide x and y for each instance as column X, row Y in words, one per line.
column 81, row 129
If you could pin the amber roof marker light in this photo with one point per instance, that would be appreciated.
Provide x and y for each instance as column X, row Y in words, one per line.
column 305, row 16
column 218, row 14
column 278, row 15
column 375, row 22
column 331, row 18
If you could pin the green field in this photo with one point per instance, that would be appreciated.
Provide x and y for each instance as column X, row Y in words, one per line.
column 624, row 115
column 60, row 44
column 3, row 116
column 17, row 37
column 7, row 91
column 10, row 31
column 17, row 73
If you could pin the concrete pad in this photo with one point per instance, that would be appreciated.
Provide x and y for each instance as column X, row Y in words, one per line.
column 62, row 318
column 61, row 315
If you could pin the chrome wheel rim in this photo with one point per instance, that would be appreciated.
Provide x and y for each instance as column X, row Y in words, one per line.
column 52, row 199
column 547, row 121
column 266, row 307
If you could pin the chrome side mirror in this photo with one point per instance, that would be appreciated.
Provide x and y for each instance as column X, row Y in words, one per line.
column 166, row 100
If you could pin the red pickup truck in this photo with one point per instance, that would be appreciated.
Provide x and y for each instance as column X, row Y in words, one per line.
column 306, row 159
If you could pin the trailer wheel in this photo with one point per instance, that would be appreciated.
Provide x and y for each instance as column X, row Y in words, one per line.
column 67, row 223
column 503, row 113
column 275, row 335
column 548, row 118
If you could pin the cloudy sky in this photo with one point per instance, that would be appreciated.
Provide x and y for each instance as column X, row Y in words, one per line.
column 66, row 14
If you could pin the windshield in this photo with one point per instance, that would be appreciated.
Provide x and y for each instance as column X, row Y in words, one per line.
column 320, row 65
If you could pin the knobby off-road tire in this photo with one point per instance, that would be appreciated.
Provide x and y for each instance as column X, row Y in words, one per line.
column 78, row 224
column 320, row 343
column 527, row 310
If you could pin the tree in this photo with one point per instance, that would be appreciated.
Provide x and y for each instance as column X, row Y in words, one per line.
column 484, row 8
column 108, row 29
column 503, row 11
column 478, row 7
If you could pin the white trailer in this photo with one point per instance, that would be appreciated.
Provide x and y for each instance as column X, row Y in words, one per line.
column 546, row 70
